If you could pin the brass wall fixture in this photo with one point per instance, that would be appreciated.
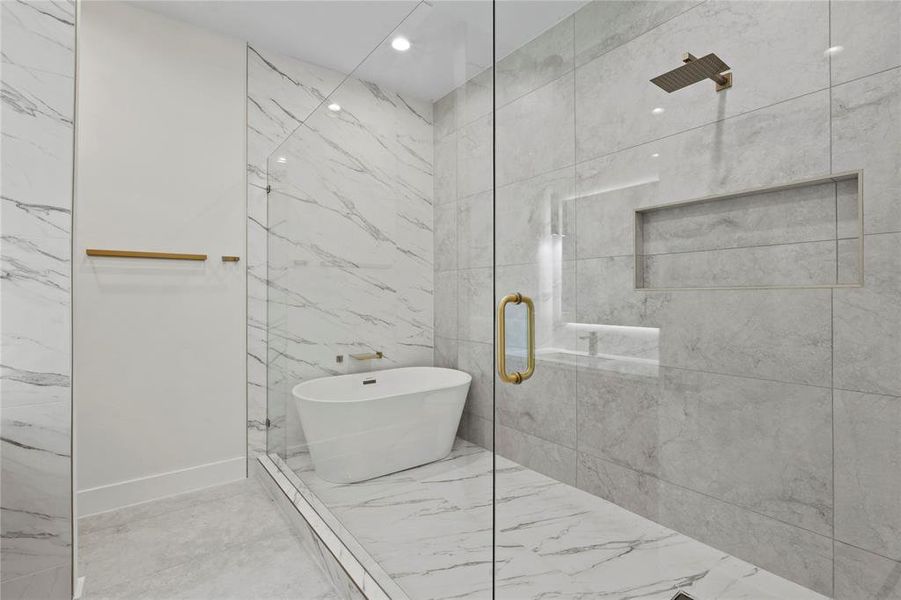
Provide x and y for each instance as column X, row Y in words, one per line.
column 516, row 377
column 140, row 254
column 231, row 258
column 695, row 70
column 373, row 355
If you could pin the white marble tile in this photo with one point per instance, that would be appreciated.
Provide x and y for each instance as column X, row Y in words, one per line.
column 869, row 34
column 866, row 126
column 362, row 279
column 614, row 104
column 281, row 93
column 534, row 64
column 55, row 582
column 37, row 116
column 535, row 132
column 36, row 483
column 445, row 352
column 446, row 305
column 868, row 472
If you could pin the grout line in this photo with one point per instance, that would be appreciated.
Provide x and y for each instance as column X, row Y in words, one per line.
column 706, row 495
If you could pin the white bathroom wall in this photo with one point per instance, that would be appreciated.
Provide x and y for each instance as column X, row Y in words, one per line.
column 159, row 370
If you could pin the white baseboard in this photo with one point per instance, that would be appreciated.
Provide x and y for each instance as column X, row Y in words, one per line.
column 153, row 487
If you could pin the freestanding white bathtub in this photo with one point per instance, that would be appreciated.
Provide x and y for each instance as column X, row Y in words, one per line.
column 365, row 425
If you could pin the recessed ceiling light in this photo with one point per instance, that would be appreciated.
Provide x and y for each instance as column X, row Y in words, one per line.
column 655, row 155
column 833, row 50
column 334, row 107
column 657, row 111
column 400, row 43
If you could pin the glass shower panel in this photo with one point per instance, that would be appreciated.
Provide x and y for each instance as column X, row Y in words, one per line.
column 365, row 251
column 711, row 342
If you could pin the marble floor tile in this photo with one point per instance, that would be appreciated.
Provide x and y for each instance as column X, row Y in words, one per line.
column 430, row 529
column 224, row 542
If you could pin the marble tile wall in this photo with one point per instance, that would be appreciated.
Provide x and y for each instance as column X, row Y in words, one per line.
column 38, row 77
column 763, row 422
column 281, row 92
column 350, row 242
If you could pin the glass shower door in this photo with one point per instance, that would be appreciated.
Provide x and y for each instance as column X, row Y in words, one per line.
column 688, row 341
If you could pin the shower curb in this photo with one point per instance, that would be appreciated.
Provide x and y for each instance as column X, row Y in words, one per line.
column 344, row 565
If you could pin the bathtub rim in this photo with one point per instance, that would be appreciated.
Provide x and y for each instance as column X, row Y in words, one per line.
column 463, row 378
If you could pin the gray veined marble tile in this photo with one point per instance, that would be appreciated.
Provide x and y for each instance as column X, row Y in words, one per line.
column 476, row 430
column 544, row 408
column 535, row 219
column 605, row 221
column 446, row 305
column 867, row 322
column 475, row 231
column 445, row 115
column 536, row 63
column 475, row 157
column 790, row 265
column 614, row 98
column 603, row 25
column 794, row 553
column 475, row 308
column 783, row 335
column 474, row 99
column 737, row 154
column 446, row 243
column 868, row 471
column 535, row 132
column 869, row 34
column 806, row 214
column 477, row 359
column 866, row 127
column 445, row 169
column 704, row 432
column 547, row 458
column 860, row 574
column 446, row 352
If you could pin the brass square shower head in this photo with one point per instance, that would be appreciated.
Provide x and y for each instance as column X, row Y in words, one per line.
column 693, row 71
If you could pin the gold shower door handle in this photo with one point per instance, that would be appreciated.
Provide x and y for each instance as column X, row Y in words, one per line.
column 518, row 376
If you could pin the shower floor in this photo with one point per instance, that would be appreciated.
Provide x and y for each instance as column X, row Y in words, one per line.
column 429, row 528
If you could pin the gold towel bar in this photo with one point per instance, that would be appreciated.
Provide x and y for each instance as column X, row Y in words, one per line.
column 372, row 356
column 139, row 254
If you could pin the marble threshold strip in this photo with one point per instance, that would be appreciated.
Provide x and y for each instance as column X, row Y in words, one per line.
column 372, row 582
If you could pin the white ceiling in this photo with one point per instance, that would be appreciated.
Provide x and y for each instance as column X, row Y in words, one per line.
column 451, row 39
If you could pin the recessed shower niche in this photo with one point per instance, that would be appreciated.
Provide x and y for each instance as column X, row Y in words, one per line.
column 803, row 234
